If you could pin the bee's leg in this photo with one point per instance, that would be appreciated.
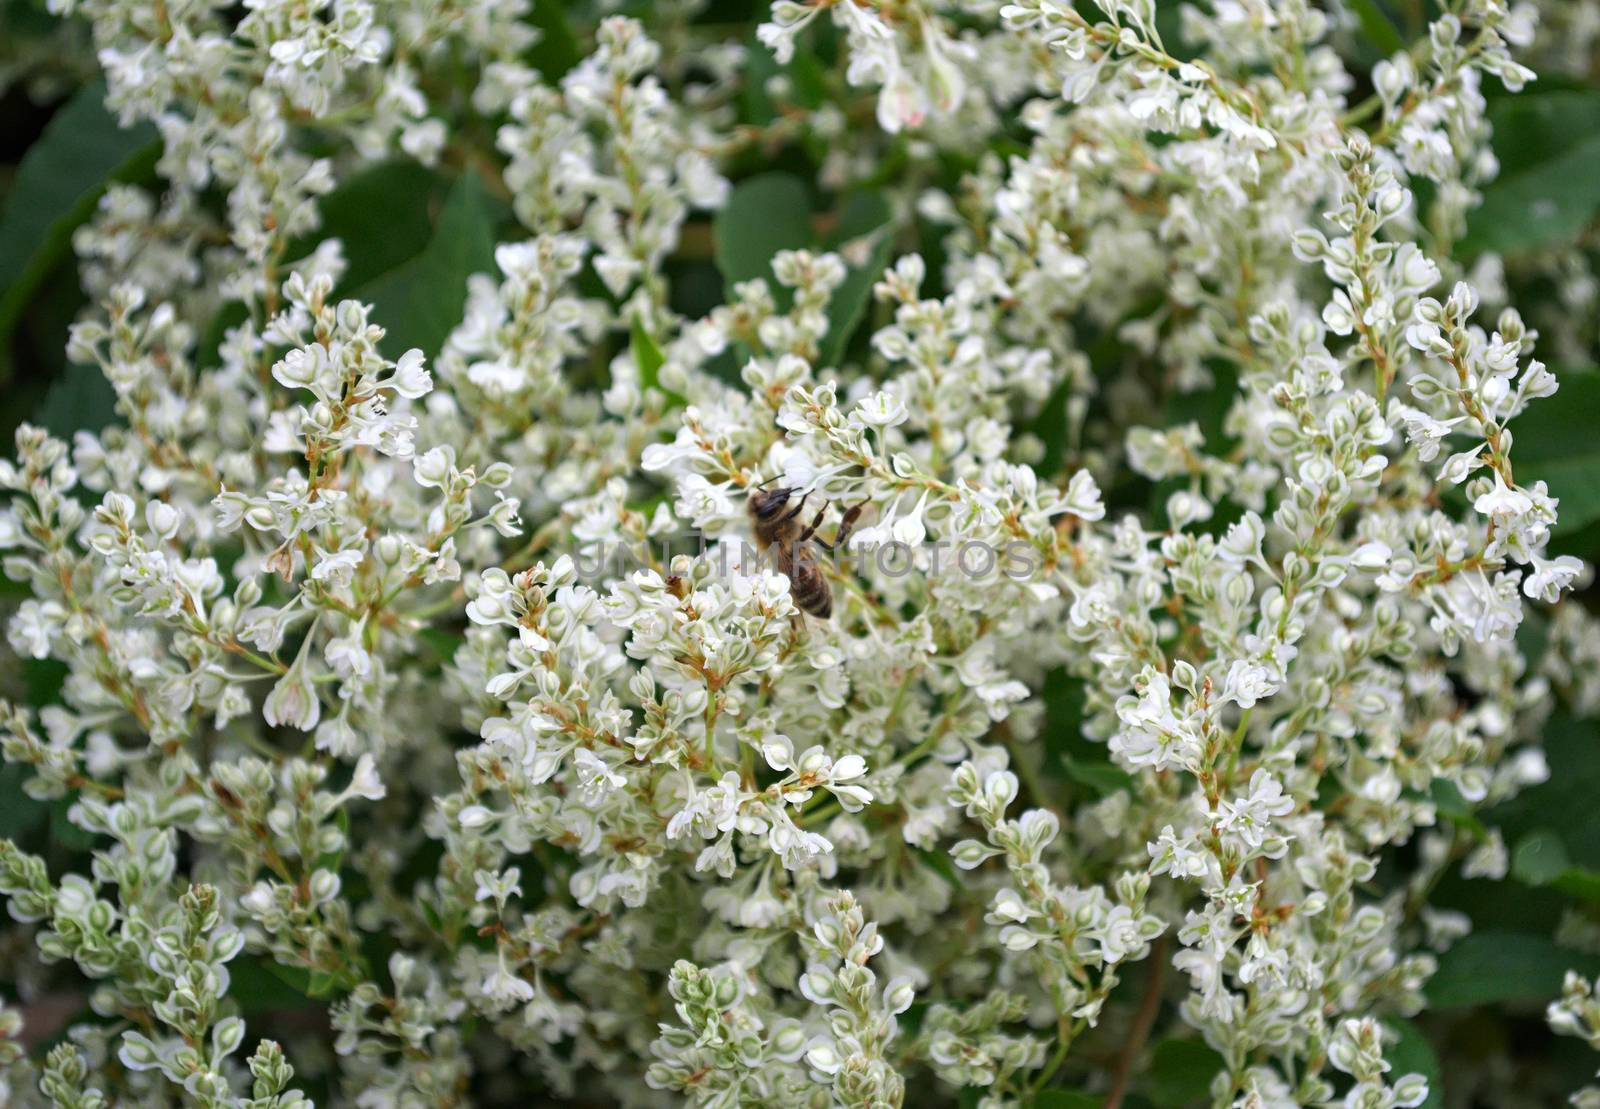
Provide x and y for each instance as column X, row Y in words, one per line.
column 812, row 530
column 847, row 524
column 797, row 509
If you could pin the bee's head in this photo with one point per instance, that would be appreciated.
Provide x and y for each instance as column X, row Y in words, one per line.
column 768, row 504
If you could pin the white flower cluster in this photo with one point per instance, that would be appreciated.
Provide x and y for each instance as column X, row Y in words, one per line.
column 1577, row 1013
column 451, row 690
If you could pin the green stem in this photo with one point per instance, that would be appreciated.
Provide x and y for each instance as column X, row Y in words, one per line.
column 1361, row 111
column 1066, row 1034
column 1029, row 775
column 711, row 733
column 1236, row 742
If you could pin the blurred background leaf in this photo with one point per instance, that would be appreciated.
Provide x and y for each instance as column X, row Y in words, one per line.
column 1411, row 1053
column 420, row 299
column 1548, row 146
column 1555, row 441
column 1181, row 1072
column 762, row 216
column 57, row 185
column 1501, row 966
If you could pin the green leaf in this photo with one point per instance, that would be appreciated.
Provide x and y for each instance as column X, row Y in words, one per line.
column 1549, row 187
column 1064, row 1099
column 1565, row 802
column 422, row 299
column 861, row 214
column 1575, row 482
column 1554, row 442
column 81, row 399
column 441, row 641
column 763, row 215
column 1542, row 204
column 63, row 832
column 1181, row 1072
column 1080, row 758
column 1580, row 882
column 772, row 212
column 1559, row 426
column 43, row 678
column 1539, row 124
column 321, row 983
column 1411, row 1053
column 1049, row 426
column 259, row 985
column 558, row 49
column 58, row 184
column 940, row 864
column 1541, row 859
column 1454, row 808
column 1099, row 775
column 806, row 74
column 863, row 222
column 1490, row 967
column 1378, row 28
column 1106, row 356
column 647, row 354
column 20, row 813
column 384, row 217
column 1206, row 408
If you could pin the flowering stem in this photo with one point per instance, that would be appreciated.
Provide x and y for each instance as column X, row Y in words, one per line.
column 1029, row 774
column 711, row 733
column 1143, row 1020
column 1236, row 743
column 1066, row 1034
column 821, row 812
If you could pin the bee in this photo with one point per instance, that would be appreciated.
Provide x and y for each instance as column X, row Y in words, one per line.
column 778, row 530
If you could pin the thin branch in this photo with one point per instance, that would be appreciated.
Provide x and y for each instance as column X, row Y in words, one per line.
column 1142, row 1022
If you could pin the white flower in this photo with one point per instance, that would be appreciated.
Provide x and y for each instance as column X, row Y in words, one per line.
column 302, row 369
column 337, row 567
column 1249, row 681
column 1008, row 906
column 410, row 378
column 498, row 886
column 1371, row 557
column 475, row 816
column 348, row 655
column 1121, row 935
column 1083, row 497
column 594, row 775
column 1552, row 577
column 32, row 628
column 293, row 701
column 365, row 781
column 1249, row 818
column 882, row 410
column 1179, row 857
column 794, row 845
column 433, row 469
column 1152, row 734
column 1179, row 314
column 503, row 989
column 1503, row 502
